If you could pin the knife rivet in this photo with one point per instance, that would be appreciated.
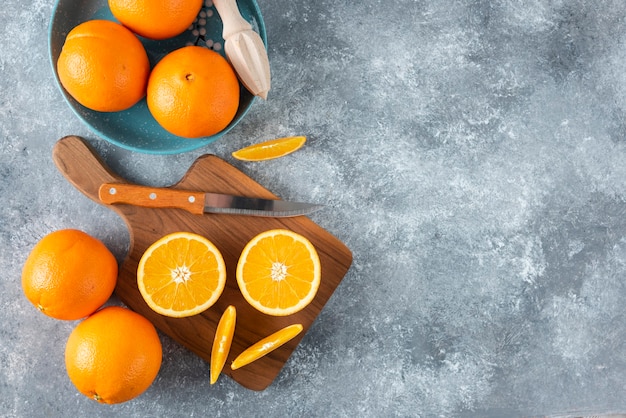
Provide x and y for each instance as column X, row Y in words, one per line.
column 191, row 199
column 112, row 190
column 152, row 196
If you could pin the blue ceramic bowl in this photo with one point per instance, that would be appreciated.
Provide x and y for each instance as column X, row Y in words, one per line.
column 135, row 129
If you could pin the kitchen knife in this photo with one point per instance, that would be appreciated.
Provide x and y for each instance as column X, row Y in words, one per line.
column 200, row 202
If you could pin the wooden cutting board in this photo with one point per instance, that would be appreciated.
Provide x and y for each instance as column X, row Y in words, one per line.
column 77, row 161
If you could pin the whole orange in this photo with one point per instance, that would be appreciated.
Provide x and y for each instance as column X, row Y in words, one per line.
column 103, row 66
column 69, row 274
column 114, row 355
column 156, row 19
column 193, row 92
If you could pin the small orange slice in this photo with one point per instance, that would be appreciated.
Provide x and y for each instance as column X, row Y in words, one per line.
column 181, row 274
column 270, row 149
column 221, row 342
column 279, row 272
column 266, row 345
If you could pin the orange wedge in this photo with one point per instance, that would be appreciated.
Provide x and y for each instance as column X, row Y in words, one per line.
column 270, row 149
column 279, row 272
column 266, row 345
column 221, row 342
column 181, row 274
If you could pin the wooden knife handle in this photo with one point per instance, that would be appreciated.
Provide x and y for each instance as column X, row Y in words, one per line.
column 151, row 197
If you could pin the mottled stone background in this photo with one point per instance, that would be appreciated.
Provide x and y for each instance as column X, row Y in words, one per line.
column 472, row 156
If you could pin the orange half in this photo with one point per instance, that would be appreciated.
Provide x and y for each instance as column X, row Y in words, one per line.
column 279, row 272
column 181, row 274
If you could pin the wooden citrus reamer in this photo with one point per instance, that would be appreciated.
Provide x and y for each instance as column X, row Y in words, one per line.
column 244, row 49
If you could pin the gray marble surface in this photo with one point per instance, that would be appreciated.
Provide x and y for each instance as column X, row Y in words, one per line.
column 470, row 153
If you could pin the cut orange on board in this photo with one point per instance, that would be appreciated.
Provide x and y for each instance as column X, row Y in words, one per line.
column 181, row 274
column 270, row 149
column 266, row 345
column 279, row 272
column 222, row 341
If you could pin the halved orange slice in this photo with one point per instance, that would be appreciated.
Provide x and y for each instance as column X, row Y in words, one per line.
column 279, row 272
column 270, row 149
column 222, row 341
column 181, row 274
column 266, row 345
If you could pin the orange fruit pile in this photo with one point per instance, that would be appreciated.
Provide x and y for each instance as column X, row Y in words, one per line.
column 156, row 19
column 113, row 356
column 69, row 274
column 103, row 66
column 193, row 92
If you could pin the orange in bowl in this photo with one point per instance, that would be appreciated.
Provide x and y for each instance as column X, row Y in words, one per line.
column 103, row 66
column 193, row 92
column 156, row 19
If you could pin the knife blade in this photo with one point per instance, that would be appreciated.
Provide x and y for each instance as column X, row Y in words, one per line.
column 199, row 203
